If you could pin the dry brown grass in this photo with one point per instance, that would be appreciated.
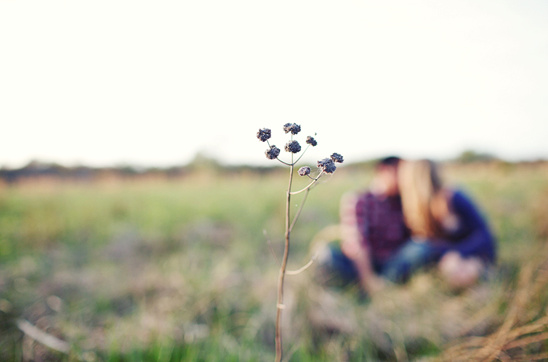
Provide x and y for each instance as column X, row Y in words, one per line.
column 523, row 333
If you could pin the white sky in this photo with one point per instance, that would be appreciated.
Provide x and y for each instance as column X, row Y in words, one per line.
column 153, row 82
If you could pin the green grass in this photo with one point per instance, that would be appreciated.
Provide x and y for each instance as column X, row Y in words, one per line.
column 182, row 270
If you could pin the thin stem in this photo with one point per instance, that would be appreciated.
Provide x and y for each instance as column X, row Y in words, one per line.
column 277, row 158
column 303, row 268
column 302, row 154
column 285, row 163
column 280, row 305
column 300, row 209
column 40, row 336
column 307, row 187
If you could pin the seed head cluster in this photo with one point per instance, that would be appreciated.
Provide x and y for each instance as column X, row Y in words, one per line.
column 305, row 170
column 294, row 128
column 337, row 158
column 327, row 165
column 272, row 153
column 264, row 134
column 311, row 141
column 293, row 147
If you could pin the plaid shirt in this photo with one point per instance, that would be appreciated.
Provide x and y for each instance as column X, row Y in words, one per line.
column 381, row 225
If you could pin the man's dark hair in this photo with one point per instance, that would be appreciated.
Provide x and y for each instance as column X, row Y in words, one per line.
column 389, row 161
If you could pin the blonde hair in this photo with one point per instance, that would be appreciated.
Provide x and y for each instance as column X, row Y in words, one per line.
column 422, row 199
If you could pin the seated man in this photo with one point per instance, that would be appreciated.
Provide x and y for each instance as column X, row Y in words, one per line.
column 375, row 242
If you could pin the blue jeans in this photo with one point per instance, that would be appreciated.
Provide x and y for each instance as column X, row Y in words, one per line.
column 411, row 257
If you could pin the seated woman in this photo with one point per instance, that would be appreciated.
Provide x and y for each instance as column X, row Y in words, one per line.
column 446, row 220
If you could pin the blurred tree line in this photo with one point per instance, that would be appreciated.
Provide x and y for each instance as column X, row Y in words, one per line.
column 199, row 165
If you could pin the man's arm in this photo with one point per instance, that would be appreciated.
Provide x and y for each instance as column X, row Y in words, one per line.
column 353, row 245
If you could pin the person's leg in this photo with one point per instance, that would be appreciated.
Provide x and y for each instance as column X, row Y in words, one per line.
column 459, row 272
column 411, row 257
column 335, row 268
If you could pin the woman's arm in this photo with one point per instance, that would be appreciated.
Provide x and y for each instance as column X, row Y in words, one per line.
column 476, row 239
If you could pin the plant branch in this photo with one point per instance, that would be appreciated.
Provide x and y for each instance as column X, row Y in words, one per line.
column 280, row 305
column 302, row 154
column 285, row 163
column 300, row 210
column 46, row 339
column 307, row 187
column 303, row 268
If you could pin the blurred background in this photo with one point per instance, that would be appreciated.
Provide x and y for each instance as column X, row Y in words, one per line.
column 151, row 84
column 139, row 215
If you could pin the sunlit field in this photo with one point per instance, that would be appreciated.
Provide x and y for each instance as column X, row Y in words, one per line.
column 186, row 269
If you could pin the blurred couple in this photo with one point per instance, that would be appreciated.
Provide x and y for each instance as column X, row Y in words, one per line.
column 407, row 221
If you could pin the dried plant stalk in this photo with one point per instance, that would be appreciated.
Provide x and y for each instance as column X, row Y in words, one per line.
column 326, row 165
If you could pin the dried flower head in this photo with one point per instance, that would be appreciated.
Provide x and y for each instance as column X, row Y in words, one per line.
column 337, row 158
column 294, row 128
column 311, row 141
column 264, row 134
column 272, row 153
column 327, row 165
column 305, row 170
column 293, row 147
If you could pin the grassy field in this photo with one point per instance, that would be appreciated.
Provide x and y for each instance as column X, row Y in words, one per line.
column 169, row 270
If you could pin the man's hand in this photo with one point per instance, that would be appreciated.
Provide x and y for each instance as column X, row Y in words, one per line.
column 373, row 284
column 350, row 234
column 351, row 248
